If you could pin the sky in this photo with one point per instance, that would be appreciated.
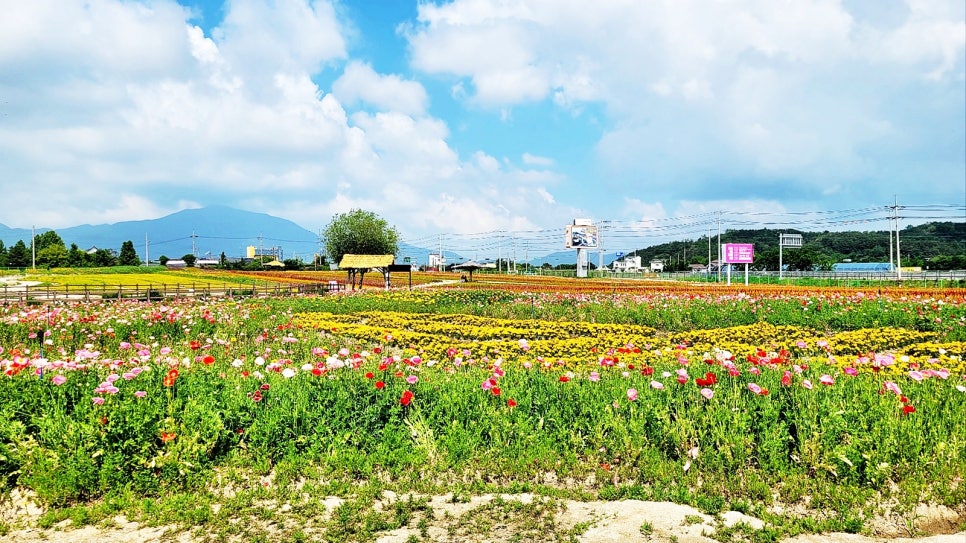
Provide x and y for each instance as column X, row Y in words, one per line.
column 487, row 125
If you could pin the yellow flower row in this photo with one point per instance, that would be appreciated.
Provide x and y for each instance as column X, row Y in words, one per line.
column 435, row 336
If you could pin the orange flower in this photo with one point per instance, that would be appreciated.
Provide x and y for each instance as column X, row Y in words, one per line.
column 168, row 436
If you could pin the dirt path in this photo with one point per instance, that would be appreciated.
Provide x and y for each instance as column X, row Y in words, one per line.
column 520, row 518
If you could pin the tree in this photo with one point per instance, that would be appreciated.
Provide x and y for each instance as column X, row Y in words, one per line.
column 19, row 255
column 3, row 255
column 104, row 258
column 75, row 257
column 189, row 260
column 359, row 232
column 128, row 256
column 163, row 260
column 52, row 256
column 49, row 239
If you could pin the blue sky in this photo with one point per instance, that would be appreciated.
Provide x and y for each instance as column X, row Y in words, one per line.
column 486, row 124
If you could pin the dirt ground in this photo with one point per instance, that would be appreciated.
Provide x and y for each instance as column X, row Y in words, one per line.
column 596, row 522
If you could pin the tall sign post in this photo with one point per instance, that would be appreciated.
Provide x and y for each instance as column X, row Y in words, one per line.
column 787, row 240
column 739, row 253
column 582, row 235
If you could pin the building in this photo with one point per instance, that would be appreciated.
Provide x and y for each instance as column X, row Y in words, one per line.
column 629, row 264
column 437, row 261
column 657, row 266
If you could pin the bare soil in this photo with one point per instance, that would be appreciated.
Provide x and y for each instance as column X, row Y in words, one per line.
column 502, row 519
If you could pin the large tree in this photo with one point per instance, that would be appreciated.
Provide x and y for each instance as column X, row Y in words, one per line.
column 359, row 232
column 128, row 256
column 49, row 238
column 19, row 255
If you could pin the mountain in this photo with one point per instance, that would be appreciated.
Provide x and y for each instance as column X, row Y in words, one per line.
column 206, row 232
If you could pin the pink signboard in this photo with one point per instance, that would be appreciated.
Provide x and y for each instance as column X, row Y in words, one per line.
column 739, row 253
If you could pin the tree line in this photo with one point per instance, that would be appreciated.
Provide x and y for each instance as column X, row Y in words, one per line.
column 932, row 246
column 50, row 251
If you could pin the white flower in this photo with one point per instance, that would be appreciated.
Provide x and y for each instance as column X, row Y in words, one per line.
column 288, row 373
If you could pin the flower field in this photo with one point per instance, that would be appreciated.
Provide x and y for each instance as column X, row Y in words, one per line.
column 835, row 403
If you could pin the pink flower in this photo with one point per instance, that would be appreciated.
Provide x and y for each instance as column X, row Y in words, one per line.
column 754, row 370
column 98, row 400
column 632, row 394
column 826, row 380
column 787, row 378
column 58, row 380
column 892, row 387
column 594, row 377
column 801, row 344
column 849, row 370
column 657, row 385
column 915, row 375
column 807, row 384
column 754, row 388
column 140, row 394
column 707, row 393
column 412, row 379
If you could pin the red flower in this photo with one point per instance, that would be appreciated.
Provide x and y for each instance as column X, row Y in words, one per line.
column 264, row 386
column 511, row 403
column 495, row 391
column 170, row 377
column 903, row 399
column 380, row 385
column 647, row 370
column 257, row 396
column 195, row 345
column 908, row 408
column 369, row 375
column 208, row 360
column 407, row 397
column 168, row 436
column 563, row 379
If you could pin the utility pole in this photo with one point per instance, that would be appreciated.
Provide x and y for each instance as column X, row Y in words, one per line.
column 719, row 247
column 898, row 254
column 709, row 248
column 147, row 256
column 33, row 247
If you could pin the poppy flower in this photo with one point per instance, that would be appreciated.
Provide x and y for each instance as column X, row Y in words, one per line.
column 380, row 385
column 563, row 379
column 908, row 408
column 407, row 397
column 495, row 390
column 787, row 379
column 511, row 403
column 170, row 377
column 168, row 436
column 208, row 360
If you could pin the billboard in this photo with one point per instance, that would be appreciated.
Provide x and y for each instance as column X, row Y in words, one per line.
column 739, row 253
column 581, row 237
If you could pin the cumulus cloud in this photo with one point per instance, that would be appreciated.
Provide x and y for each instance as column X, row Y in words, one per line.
column 360, row 83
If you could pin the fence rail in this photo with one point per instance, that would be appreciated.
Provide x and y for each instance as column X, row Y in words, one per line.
column 24, row 293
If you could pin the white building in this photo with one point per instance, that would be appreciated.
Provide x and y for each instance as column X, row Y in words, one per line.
column 627, row 264
column 657, row 266
column 437, row 261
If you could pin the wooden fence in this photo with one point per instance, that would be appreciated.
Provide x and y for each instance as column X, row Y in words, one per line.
column 25, row 293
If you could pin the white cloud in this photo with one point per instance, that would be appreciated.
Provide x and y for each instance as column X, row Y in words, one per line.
column 360, row 82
